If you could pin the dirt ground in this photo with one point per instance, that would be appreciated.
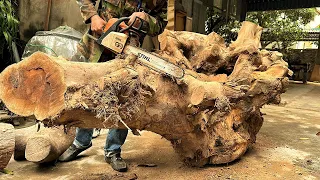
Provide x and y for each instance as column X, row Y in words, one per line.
column 287, row 147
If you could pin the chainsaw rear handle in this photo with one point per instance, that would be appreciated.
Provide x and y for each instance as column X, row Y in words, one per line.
column 115, row 24
column 120, row 25
column 132, row 27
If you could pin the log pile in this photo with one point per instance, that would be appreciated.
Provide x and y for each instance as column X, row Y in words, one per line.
column 211, row 115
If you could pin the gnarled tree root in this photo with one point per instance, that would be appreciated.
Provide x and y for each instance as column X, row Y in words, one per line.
column 211, row 115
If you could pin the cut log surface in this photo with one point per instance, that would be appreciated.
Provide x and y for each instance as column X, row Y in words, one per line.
column 48, row 144
column 45, row 145
column 6, row 144
column 211, row 115
column 21, row 137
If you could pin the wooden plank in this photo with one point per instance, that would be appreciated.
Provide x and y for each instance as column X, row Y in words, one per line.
column 171, row 15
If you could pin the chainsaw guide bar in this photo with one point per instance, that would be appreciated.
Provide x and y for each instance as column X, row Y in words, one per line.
column 154, row 62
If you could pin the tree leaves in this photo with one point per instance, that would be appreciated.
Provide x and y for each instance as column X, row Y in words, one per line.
column 283, row 27
column 8, row 24
column 226, row 28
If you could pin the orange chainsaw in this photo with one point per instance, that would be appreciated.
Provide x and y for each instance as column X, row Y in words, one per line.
column 115, row 38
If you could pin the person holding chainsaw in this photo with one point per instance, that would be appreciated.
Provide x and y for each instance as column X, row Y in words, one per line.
column 151, row 17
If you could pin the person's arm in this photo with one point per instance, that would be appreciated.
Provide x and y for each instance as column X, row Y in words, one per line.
column 157, row 19
column 90, row 15
column 87, row 9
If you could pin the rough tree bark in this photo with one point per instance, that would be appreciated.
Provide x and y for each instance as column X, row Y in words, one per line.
column 211, row 115
column 45, row 145
column 6, row 144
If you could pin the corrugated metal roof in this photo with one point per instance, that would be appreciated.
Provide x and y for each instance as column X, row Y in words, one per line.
column 313, row 35
column 265, row 5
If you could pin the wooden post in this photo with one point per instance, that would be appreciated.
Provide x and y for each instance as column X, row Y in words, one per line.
column 315, row 76
column 171, row 15
column 46, row 24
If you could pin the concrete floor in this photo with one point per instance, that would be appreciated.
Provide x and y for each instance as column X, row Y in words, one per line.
column 287, row 148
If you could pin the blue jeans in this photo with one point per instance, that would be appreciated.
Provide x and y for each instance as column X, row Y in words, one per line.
column 114, row 141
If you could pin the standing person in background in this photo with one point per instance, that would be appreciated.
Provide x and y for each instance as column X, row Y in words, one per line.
column 154, row 12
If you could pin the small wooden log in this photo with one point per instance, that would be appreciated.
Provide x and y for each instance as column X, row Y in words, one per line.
column 21, row 136
column 48, row 144
column 6, row 144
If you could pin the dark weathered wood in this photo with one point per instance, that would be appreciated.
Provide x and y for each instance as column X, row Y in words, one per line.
column 5, row 117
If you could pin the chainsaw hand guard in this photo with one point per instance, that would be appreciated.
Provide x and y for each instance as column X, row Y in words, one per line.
column 141, row 24
column 120, row 25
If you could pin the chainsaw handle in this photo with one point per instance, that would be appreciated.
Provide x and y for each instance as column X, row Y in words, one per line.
column 115, row 24
column 119, row 27
column 131, row 26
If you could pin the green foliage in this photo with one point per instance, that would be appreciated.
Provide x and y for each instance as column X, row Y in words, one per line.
column 283, row 27
column 8, row 24
column 227, row 28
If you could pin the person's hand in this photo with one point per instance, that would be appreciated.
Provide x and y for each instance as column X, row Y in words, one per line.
column 141, row 15
column 97, row 23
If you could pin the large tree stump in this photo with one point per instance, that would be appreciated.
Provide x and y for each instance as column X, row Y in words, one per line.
column 6, row 144
column 211, row 115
